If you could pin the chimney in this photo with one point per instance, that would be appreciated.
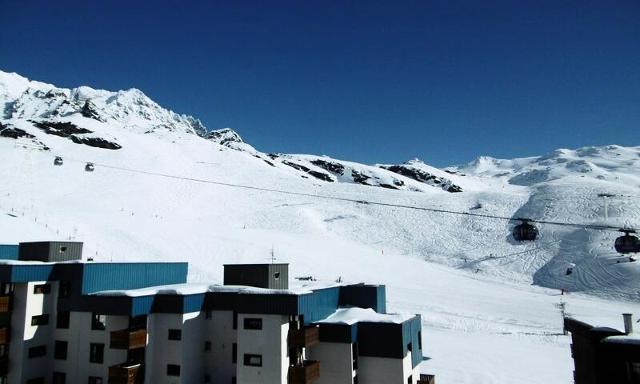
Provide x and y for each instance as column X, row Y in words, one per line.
column 628, row 323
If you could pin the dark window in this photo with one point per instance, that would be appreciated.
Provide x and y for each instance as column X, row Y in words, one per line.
column 65, row 288
column 173, row 370
column 253, row 360
column 96, row 353
column 6, row 288
column 276, row 275
column 410, row 347
column 207, row 378
column 207, row 346
column 252, row 323
column 63, row 249
column 234, row 353
column 4, row 351
column 39, row 380
column 354, row 352
column 38, row 351
column 40, row 320
column 60, row 350
column 95, row 380
column 420, row 340
column 175, row 334
column 138, row 322
column 235, row 320
column 59, row 378
column 410, row 380
column 62, row 319
column 98, row 322
column 233, row 380
column 42, row 289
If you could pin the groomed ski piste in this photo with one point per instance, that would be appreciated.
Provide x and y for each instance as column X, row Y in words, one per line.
column 171, row 192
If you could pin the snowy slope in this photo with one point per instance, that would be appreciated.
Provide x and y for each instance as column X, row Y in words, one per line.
column 466, row 276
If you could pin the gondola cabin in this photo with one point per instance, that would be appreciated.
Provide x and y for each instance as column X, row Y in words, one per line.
column 89, row 167
column 627, row 243
column 57, row 160
column 525, row 231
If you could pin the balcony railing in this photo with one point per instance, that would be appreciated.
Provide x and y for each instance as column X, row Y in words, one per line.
column 427, row 379
column 125, row 374
column 4, row 365
column 304, row 373
column 304, row 338
column 4, row 335
column 128, row 339
column 5, row 303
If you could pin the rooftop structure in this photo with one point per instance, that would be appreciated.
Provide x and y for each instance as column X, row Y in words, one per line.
column 75, row 322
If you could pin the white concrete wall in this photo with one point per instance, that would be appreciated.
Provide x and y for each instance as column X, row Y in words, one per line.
column 79, row 337
column 25, row 336
column 381, row 370
column 219, row 330
column 193, row 338
column 336, row 362
column 271, row 343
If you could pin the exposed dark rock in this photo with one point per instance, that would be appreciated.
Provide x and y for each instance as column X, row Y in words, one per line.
column 316, row 174
column 62, row 129
column 424, row 177
column 360, row 178
column 224, row 136
column 296, row 166
column 268, row 162
column 388, row 186
column 321, row 176
column 13, row 132
column 336, row 168
column 95, row 142
column 273, row 156
column 90, row 111
column 398, row 183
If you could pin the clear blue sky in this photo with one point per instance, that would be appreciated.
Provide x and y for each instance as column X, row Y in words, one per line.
column 373, row 81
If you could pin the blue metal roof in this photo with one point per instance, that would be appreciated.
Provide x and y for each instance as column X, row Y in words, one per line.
column 9, row 251
column 411, row 333
column 108, row 276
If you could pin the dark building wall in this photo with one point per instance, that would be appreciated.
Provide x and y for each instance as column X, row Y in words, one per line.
column 272, row 276
column 50, row 251
column 364, row 296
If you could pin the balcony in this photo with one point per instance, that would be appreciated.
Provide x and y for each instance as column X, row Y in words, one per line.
column 125, row 374
column 304, row 373
column 129, row 339
column 4, row 365
column 427, row 379
column 5, row 303
column 304, row 338
column 4, row 335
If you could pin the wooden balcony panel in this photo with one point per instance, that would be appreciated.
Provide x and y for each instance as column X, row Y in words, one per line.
column 125, row 374
column 306, row 373
column 5, row 334
column 128, row 339
column 5, row 303
column 304, row 338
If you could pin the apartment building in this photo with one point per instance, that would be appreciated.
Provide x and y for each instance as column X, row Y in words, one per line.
column 65, row 320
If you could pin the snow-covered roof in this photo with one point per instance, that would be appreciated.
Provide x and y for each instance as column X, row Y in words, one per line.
column 171, row 289
column 353, row 315
column 632, row 338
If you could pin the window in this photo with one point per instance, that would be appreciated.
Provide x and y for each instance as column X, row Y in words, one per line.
column 39, row 380
column 276, row 275
column 95, row 380
column 234, row 353
column 40, row 320
column 59, row 378
column 253, row 360
column 96, row 353
column 42, row 289
column 233, row 380
column 207, row 346
column 420, row 340
column 252, row 323
column 175, row 334
column 173, row 370
column 235, row 320
column 98, row 322
column 207, row 378
column 6, row 288
column 65, row 288
column 38, row 351
column 60, row 350
column 138, row 322
column 63, row 249
column 62, row 319
column 410, row 380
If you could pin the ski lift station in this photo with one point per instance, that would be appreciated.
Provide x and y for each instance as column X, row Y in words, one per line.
column 65, row 320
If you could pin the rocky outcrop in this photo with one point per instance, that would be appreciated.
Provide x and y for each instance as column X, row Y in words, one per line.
column 302, row 168
column 335, row 168
column 224, row 136
column 62, row 129
column 95, row 142
column 424, row 177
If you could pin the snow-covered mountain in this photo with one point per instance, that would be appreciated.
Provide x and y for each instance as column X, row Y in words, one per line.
column 162, row 190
